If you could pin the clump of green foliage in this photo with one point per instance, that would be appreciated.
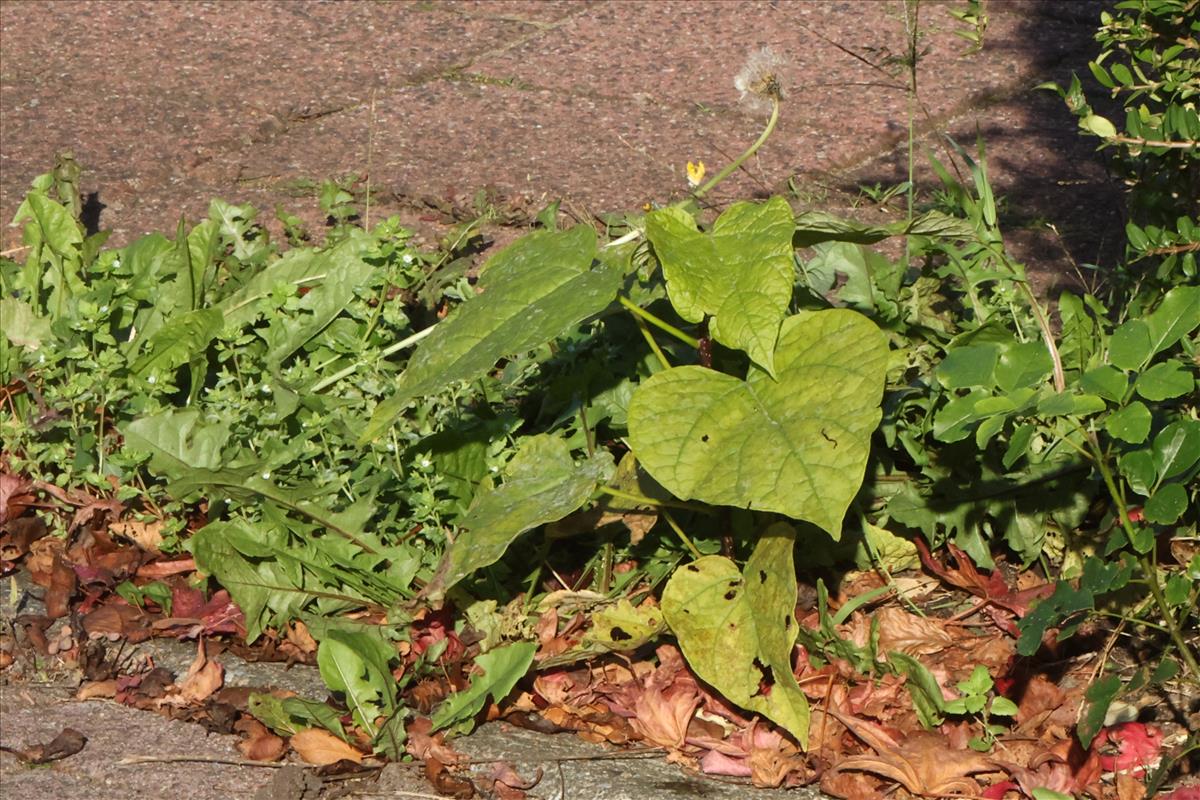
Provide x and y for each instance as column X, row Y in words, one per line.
column 743, row 382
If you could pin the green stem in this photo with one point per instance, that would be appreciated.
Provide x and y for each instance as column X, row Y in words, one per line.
column 642, row 500
column 658, row 323
column 653, row 345
column 682, row 536
column 1147, row 565
column 387, row 351
column 737, row 162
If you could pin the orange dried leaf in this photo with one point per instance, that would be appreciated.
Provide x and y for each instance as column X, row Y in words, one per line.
column 320, row 747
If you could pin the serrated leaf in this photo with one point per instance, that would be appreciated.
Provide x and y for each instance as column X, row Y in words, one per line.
column 737, row 632
column 537, row 288
column 542, row 485
column 182, row 338
column 357, row 663
column 797, row 445
column 502, row 668
column 881, row 546
column 740, row 274
column 623, row 627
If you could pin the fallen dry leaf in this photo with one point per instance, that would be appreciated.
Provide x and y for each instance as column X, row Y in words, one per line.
column 68, row 742
column 318, row 746
column 258, row 743
column 910, row 634
column 97, row 689
column 146, row 535
column 61, row 589
column 447, row 783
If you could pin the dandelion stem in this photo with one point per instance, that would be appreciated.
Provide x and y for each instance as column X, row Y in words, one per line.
column 737, row 162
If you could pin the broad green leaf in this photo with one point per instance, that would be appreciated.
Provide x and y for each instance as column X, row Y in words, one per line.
column 872, row 281
column 1066, row 404
column 1130, row 424
column 1018, row 444
column 1138, row 469
column 502, row 668
column 539, row 287
column 1175, row 317
column 357, row 663
column 1177, row 448
column 22, row 327
column 1023, row 365
column 1165, row 380
column 1167, row 504
column 177, row 441
column 181, row 339
column 952, row 422
column 970, row 366
column 814, row 227
column 58, row 230
column 238, row 555
column 1106, row 381
column 1130, row 346
column 542, row 485
column 740, row 274
column 797, row 445
column 737, row 631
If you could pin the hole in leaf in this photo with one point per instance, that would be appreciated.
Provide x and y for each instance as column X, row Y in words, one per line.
column 731, row 594
column 765, row 679
column 762, row 576
column 704, row 438
column 692, row 568
column 618, row 635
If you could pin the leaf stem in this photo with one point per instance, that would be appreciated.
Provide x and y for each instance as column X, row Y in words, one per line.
column 408, row 341
column 645, row 329
column 737, row 162
column 658, row 323
column 683, row 536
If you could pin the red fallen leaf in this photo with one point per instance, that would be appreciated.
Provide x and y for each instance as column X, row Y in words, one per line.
column 997, row 790
column 663, row 716
column 67, row 743
column 1184, row 793
column 714, row 762
column 192, row 615
column 990, row 587
column 1138, row 746
column 425, row 746
column 506, row 784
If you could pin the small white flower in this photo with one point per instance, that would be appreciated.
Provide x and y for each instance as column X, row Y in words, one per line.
column 152, row 379
column 494, row 468
column 116, row 263
column 265, row 388
column 103, row 309
column 391, row 448
column 425, row 462
column 266, row 476
column 407, row 258
column 41, row 358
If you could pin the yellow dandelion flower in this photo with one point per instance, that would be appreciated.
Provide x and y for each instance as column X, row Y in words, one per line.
column 695, row 173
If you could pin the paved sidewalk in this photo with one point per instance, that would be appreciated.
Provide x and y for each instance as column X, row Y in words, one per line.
column 168, row 105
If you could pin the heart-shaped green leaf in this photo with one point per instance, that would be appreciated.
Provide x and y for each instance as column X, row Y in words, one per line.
column 797, row 445
column 737, row 631
column 740, row 274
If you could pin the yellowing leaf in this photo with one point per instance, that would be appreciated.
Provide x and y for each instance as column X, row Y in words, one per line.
column 320, row 747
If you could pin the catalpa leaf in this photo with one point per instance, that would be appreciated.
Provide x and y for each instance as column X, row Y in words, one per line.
column 740, row 274
column 797, row 445
column 534, row 290
column 737, row 630
column 542, row 485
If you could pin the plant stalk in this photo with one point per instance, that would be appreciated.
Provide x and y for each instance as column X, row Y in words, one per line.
column 737, row 162
column 662, row 325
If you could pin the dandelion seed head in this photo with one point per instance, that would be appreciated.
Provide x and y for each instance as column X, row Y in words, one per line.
column 759, row 79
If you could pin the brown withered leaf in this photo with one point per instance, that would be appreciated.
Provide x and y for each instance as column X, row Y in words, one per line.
column 15, row 496
column 19, row 535
column 662, row 716
column 923, row 763
column 119, row 618
column 61, row 589
column 258, row 743
column 67, row 743
column 203, row 678
column 907, row 633
column 319, row 746
column 146, row 535
column 97, row 689
column 446, row 782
